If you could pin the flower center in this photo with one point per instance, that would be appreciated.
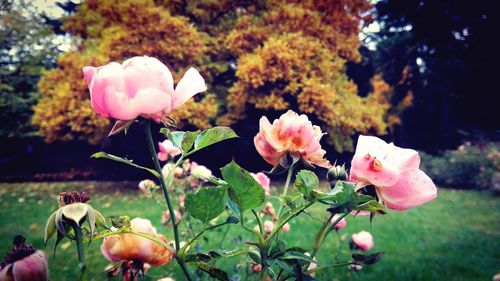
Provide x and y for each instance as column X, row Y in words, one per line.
column 376, row 165
column 66, row 198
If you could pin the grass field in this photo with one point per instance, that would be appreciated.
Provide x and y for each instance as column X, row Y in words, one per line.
column 456, row 237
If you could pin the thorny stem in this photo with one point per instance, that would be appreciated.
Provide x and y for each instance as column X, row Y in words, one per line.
column 164, row 186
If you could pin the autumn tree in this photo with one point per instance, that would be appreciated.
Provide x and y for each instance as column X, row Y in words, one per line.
column 264, row 55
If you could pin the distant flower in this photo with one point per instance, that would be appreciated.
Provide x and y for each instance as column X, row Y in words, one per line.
column 341, row 224
column 312, row 265
column 293, row 134
column 167, row 220
column 140, row 86
column 131, row 247
column 269, row 210
column 146, row 186
column 166, row 279
column 268, row 226
column 256, row 268
column 286, row 228
column 167, row 150
column 264, row 181
column 168, row 168
column 354, row 267
column 393, row 171
column 24, row 263
column 363, row 240
column 200, row 171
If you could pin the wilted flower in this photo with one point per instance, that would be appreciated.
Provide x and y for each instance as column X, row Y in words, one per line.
column 146, row 186
column 168, row 168
column 24, row 263
column 167, row 150
column 341, row 224
column 363, row 240
column 131, row 247
column 293, row 134
column 393, row 171
column 264, row 181
column 166, row 220
column 140, row 86
column 73, row 211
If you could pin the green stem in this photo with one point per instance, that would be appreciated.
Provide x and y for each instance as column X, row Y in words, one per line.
column 164, row 186
column 81, row 253
column 261, row 228
column 277, row 228
column 285, row 190
column 322, row 236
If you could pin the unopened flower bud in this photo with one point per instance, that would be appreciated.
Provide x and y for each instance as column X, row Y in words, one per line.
column 335, row 174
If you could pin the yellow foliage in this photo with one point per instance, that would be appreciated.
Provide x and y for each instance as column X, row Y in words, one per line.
column 267, row 55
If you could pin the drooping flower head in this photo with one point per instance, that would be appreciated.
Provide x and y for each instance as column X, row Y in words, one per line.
column 167, row 150
column 130, row 247
column 394, row 172
column 24, row 263
column 291, row 134
column 140, row 86
column 363, row 240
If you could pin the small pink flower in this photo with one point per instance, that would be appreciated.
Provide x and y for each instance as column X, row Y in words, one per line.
column 364, row 240
column 24, row 263
column 341, row 224
column 269, row 210
column 393, row 171
column 264, row 181
column 140, row 86
column 286, row 228
column 167, row 150
column 293, row 134
column 168, row 168
column 131, row 247
column 312, row 265
column 268, row 226
column 146, row 186
column 256, row 268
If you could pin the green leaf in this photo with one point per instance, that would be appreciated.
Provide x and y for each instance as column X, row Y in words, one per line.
column 244, row 190
column 212, row 255
column 278, row 249
column 118, row 159
column 292, row 255
column 50, row 227
column 305, row 182
column 371, row 206
column 183, row 140
column 367, row 259
column 207, row 203
column 212, row 136
column 214, row 272
column 343, row 193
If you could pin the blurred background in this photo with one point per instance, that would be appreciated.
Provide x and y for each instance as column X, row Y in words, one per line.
column 419, row 73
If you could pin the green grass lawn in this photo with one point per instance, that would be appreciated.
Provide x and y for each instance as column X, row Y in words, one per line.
column 456, row 237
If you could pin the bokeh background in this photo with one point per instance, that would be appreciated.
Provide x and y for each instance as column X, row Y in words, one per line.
column 419, row 73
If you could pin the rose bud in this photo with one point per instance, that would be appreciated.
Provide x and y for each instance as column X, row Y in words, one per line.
column 268, row 226
column 394, row 172
column 269, row 210
column 264, row 181
column 336, row 173
column 131, row 247
column 24, row 263
column 256, row 268
column 286, row 228
column 291, row 134
column 140, row 86
column 341, row 224
column 167, row 150
column 363, row 240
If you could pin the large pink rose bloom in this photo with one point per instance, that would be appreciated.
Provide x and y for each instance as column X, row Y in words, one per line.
column 293, row 134
column 394, row 172
column 364, row 240
column 128, row 247
column 140, row 86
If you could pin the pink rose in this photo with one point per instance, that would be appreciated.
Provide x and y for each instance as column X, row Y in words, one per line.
column 140, row 86
column 393, row 171
column 341, row 224
column 264, row 181
column 167, row 150
column 364, row 240
column 24, row 263
column 130, row 247
column 293, row 134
